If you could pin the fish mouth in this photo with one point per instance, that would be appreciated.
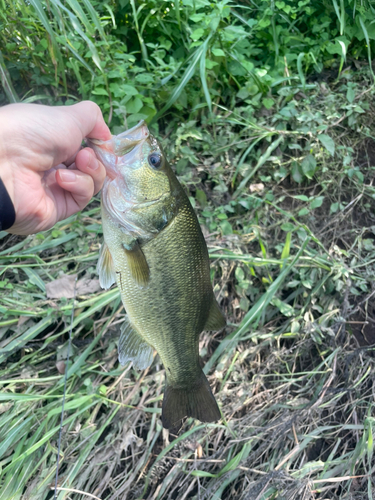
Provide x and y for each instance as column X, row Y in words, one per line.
column 110, row 151
column 124, row 142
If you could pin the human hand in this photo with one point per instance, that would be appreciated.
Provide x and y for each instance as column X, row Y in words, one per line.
column 37, row 144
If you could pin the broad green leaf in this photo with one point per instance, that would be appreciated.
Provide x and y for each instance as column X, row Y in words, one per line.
column 285, row 309
column 308, row 166
column 303, row 211
column 99, row 91
column 268, row 102
column 317, row 202
column 288, row 226
column 218, row 52
column 334, row 207
column 134, row 105
column 225, row 227
column 201, row 197
column 197, row 34
column 328, row 143
column 296, row 172
column 129, row 89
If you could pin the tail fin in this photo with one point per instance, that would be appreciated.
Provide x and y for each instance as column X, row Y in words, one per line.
column 197, row 402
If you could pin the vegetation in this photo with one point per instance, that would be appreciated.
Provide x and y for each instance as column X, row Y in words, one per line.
column 266, row 110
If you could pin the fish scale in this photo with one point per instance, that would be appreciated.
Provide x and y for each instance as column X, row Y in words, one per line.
column 155, row 251
column 166, row 313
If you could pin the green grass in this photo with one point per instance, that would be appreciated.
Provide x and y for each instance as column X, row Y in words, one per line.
column 293, row 384
column 266, row 110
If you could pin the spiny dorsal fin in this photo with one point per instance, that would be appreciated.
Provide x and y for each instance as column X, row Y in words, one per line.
column 132, row 347
column 105, row 267
column 215, row 320
column 137, row 264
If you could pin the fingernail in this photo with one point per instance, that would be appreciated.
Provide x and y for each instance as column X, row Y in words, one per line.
column 67, row 175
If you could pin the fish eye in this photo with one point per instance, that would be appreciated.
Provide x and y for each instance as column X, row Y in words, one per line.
column 155, row 160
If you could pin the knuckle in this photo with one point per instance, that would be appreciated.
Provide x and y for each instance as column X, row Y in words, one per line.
column 92, row 107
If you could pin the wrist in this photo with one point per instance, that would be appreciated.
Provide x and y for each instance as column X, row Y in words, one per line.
column 7, row 177
column 7, row 210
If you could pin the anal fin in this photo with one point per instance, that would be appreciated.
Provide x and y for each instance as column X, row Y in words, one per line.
column 215, row 320
column 132, row 347
column 105, row 267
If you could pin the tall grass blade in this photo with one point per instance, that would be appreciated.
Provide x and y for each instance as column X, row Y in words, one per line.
column 366, row 35
column 6, row 81
column 76, row 7
column 301, row 74
column 95, row 18
column 139, row 34
column 286, row 250
column 77, row 26
column 55, row 51
column 48, row 435
column 189, row 73
column 177, row 12
column 340, row 13
column 19, row 342
column 203, row 74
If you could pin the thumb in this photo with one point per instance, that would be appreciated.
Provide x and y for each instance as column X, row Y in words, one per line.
column 89, row 119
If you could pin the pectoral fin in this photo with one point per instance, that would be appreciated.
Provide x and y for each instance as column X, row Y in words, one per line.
column 215, row 320
column 105, row 267
column 132, row 347
column 137, row 263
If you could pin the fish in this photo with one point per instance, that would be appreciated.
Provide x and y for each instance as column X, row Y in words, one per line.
column 155, row 252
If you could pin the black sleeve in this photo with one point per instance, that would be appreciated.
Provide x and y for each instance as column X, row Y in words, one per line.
column 7, row 213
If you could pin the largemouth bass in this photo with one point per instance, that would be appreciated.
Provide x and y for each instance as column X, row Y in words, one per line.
column 155, row 251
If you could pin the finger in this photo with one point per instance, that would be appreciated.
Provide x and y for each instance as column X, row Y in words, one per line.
column 87, row 163
column 90, row 120
column 79, row 185
column 41, row 137
column 72, row 158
